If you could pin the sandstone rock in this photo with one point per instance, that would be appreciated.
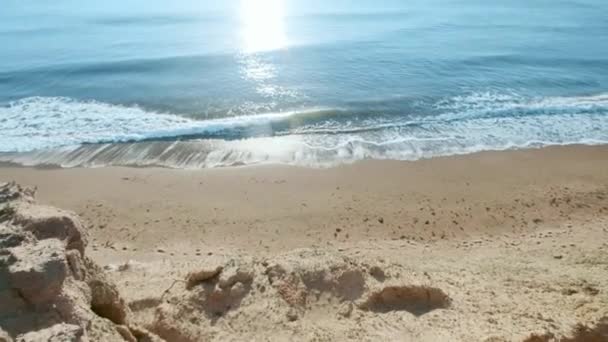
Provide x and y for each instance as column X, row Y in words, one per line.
column 39, row 270
column 125, row 333
column 49, row 289
column 47, row 222
column 76, row 265
column 57, row 333
column 143, row 335
column 197, row 277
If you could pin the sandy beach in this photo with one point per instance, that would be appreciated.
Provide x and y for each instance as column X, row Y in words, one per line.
column 279, row 208
column 506, row 246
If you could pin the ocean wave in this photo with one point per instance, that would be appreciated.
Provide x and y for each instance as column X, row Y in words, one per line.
column 70, row 133
column 288, row 150
column 50, row 122
column 492, row 101
column 468, row 108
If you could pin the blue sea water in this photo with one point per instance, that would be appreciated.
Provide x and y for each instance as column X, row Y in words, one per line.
column 203, row 84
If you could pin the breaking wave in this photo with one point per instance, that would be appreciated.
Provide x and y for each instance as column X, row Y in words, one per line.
column 68, row 133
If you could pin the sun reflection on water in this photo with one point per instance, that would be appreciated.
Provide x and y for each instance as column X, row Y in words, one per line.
column 263, row 25
column 262, row 29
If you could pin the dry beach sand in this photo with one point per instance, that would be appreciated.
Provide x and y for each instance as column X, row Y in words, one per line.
column 494, row 246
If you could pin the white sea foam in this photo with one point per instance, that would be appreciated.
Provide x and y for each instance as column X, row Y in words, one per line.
column 512, row 104
column 51, row 131
column 50, row 122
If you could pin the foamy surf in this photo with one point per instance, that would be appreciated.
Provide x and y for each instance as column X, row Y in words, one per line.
column 37, row 123
column 69, row 133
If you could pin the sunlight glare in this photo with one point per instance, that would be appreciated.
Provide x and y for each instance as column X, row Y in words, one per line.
column 263, row 25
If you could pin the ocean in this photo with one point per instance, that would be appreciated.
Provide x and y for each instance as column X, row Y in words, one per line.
column 194, row 84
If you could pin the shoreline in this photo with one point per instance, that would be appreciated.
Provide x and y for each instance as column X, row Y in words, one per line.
column 349, row 163
column 194, row 155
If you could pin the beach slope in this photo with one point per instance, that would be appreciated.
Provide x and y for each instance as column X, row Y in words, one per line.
column 494, row 246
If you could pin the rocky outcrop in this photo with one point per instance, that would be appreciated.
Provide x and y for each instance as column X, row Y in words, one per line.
column 49, row 289
column 57, row 332
column 48, row 223
column 38, row 270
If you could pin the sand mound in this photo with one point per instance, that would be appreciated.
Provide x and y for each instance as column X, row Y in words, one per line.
column 49, row 289
column 277, row 296
column 320, row 294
